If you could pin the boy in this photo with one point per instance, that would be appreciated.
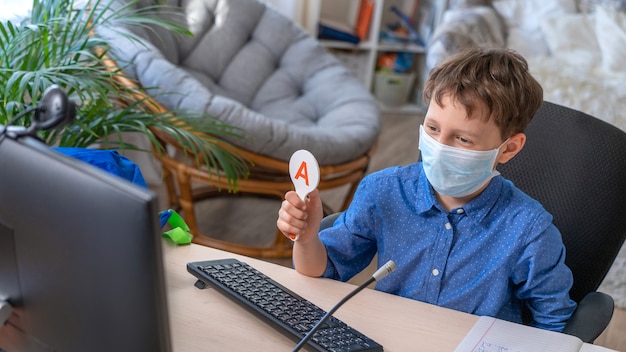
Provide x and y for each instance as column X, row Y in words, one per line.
column 462, row 236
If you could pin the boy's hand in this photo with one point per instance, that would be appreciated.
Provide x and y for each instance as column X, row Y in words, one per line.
column 300, row 217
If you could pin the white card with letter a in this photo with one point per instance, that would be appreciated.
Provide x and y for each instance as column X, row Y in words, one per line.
column 304, row 172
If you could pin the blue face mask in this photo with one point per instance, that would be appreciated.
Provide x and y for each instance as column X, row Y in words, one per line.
column 454, row 171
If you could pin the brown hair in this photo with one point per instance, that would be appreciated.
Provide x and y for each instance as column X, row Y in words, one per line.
column 493, row 76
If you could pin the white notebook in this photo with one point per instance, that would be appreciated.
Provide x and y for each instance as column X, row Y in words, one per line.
column 495, row 335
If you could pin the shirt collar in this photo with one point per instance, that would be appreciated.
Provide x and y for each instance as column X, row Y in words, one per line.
column 429, row 201
column 479, row 207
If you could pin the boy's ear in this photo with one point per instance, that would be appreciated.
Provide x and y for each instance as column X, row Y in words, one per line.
column 512, row 147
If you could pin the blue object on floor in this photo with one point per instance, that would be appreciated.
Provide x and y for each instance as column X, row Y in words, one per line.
column 107, row 160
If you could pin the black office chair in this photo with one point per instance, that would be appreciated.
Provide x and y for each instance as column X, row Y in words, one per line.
column 575, row 165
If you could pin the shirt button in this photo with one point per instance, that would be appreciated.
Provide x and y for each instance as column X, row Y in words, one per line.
column 435, row 272
column 448, row 226
column 460, row 211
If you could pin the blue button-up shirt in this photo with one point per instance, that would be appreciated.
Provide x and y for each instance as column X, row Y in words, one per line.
column 485, row 258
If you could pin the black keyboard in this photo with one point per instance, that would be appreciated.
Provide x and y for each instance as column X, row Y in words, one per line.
column 283, row 309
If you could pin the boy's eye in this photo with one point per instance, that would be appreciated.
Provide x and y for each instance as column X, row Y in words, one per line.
column 463, row 140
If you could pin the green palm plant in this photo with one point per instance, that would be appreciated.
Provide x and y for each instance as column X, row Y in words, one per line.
column 58, row 44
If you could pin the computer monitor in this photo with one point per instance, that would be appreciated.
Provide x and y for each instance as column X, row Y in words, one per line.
column 80, row 256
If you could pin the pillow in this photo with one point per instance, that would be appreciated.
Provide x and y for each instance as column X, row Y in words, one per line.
column 523, row 20
column 463, row 28
column 611, row 35
column 572, row 38
column 529, row 43
column 528, row 13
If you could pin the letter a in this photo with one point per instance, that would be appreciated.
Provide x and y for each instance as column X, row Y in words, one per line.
column 302, row 171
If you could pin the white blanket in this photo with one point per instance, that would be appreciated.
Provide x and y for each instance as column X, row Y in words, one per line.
column 589, row 89
column 579, row 58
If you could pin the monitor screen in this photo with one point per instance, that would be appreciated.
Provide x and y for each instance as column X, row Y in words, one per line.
column 80, row 256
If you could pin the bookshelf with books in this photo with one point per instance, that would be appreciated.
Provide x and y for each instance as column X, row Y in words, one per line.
column 366, row 33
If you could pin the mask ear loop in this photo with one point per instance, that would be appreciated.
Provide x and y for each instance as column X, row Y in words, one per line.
column 496, row 163
column 503, row 143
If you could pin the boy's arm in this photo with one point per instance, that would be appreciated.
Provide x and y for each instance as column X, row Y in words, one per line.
column 544, row 280
column 309, row 256
column 303, row 218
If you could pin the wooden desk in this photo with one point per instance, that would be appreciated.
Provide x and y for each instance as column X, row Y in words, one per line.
column 207, row 320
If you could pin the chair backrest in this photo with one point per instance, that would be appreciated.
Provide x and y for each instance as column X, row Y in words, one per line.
column 575, row 165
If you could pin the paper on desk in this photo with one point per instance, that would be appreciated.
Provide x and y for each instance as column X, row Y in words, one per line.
column 595, row 348
column 495, row 335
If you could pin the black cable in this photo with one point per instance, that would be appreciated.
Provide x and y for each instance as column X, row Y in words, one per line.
column 328, row 314
column 5, row 128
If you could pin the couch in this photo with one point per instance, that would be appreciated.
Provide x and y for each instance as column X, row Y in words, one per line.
column 576, row 49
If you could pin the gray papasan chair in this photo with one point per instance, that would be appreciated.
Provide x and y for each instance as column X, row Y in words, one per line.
column 255, row 69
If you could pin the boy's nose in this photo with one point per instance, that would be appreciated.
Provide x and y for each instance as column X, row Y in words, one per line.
column 445, row 139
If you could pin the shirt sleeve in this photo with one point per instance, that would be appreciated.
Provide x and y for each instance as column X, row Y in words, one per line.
column 542, row 279
column 351, row 241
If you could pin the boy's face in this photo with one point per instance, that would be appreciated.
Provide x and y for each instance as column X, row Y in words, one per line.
column 451, row 126
column 457, row 177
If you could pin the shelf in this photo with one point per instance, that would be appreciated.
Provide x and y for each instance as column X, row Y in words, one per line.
column 411, row 48
column 406, row 109
column 362, row 58
column 337, row 44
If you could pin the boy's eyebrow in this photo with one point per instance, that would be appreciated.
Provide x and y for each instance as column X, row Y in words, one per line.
column 464, row 132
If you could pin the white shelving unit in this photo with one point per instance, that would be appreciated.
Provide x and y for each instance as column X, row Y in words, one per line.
column 362, row 58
